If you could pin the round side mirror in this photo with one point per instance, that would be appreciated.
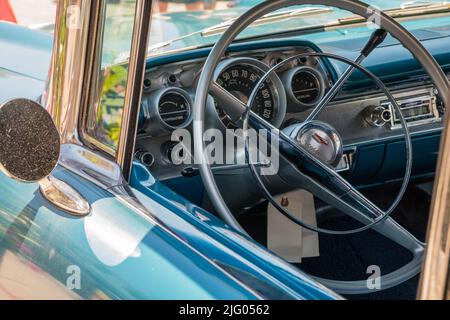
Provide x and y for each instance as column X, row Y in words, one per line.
column 29, row 141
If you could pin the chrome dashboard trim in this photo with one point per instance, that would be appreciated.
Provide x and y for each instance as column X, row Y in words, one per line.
column 432, row 111
column 154, row 123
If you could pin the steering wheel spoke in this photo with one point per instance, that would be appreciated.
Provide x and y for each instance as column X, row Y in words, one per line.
column 232, row 106
column 352, row 203
column 324, row 182
column 312, row 143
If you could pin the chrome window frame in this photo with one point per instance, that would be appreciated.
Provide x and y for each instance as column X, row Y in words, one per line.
column 72, row 78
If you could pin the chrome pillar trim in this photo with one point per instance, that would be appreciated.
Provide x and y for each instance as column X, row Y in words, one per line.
column 135, row 80
column 73, row 76
column 92, row 75
column 434, row 281
column 67, row 86
column 64, row 196
column 90, row 165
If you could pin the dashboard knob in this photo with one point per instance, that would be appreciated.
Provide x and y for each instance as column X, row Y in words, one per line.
column 439, row 104
column 146, row 158
column 174, row 152
column 377, row 116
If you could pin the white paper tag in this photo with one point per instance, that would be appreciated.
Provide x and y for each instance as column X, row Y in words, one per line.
column 286, row 238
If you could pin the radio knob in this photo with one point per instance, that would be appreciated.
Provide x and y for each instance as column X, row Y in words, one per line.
column 377, row 116
column 440, row 106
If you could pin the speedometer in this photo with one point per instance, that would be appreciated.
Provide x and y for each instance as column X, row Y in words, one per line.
column 239, row 77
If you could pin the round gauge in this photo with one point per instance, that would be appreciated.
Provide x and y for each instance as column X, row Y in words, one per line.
column 305, row 86
column 239, row 77
column 174, row 108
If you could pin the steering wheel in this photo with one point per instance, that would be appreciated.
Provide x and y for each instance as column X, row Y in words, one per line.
column 310, row 171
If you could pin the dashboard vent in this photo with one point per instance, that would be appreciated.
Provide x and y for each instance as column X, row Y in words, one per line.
column 416, row 110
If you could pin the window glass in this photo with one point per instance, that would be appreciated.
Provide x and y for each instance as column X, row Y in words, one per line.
column 107, row 101
column 183, row 24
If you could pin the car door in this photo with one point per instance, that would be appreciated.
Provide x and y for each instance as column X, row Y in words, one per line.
column 129, row 244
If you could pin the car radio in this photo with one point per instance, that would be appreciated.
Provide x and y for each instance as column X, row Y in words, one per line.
column 418, row 109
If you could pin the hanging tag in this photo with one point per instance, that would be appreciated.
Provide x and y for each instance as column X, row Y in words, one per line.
column 286, row 238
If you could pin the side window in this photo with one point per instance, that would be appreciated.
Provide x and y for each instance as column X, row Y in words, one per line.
column 110, row 81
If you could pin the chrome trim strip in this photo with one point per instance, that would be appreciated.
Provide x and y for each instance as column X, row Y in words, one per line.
column 434, row 279
column 90, row 165
column 93, row 68
column 66, row 88
column 391, row 137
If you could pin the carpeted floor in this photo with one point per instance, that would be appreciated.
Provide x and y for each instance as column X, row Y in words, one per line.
column 347, row 257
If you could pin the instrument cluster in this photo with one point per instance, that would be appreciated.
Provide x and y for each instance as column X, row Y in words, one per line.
column 169, row 90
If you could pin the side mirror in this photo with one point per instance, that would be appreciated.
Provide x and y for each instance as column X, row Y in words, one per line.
column 29, row 141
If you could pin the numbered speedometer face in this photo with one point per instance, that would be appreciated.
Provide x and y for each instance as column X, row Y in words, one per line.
column 240, row 80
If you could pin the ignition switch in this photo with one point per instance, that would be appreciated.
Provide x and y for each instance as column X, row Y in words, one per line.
column 377, row 116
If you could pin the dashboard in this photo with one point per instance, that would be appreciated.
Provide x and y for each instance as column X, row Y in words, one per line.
column 169, row 92
column 365, row 118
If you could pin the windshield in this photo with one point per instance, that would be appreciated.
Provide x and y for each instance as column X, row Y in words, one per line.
column 179, row 24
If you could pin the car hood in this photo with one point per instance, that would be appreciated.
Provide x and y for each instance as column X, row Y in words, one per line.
column 24, row 61
column 25, row 51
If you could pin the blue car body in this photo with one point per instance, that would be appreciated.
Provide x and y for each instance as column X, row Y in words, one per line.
column 178, row 251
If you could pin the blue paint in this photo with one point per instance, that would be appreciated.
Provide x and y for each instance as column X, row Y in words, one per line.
column 380, row 163
column 121, row 253
column 180, row 251
column 189, row 188
column 234, row 251
column 18, row 44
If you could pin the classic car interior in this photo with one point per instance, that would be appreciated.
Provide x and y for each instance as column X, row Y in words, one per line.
column 385, row 163
column 280, row 149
